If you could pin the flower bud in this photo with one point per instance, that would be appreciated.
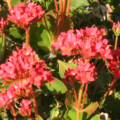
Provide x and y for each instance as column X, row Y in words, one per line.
column 116, row 28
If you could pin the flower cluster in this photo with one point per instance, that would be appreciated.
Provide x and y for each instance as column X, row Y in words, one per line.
column 24, row 15
column 116, row 28
column 10, row 96
column 22, row 70
column 24, row 65
column 84, row 73
column 3, row 24
column 26, row 107
column 89, row 43
column 114, row 64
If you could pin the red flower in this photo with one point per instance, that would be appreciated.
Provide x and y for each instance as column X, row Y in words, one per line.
column 89, row 43
column 84, row 73
column 24, row 66
column 114, row 64
column 3, row 24
column 116, row 28
column 26, row 107
column 24, row 15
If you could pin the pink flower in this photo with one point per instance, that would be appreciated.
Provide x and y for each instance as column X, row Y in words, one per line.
column 26, row 107
column 3, row 24
column 24, row 15
column 89, row 43
column 84, row 73
column 116, row 28
column 114, row 64
column 23, row 66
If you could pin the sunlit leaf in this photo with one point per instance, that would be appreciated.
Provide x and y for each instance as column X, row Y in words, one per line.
column 91, row 108
column 63, row 66
column 57, row 87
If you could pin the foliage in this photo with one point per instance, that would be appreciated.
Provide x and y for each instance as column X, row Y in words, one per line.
column 56, row 62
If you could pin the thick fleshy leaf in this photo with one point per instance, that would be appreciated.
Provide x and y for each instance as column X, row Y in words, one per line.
column 83, row 3
column 38, row 92
column 54, row 113
column 57, row 87
column 14, row 32
column 41, row 35
column 3, row 115
column 40, row 118
column 73, row 115
column 64, row 66
column 91, row 108
column 69, row 99
column 2, row 46
column 96, row 117
column 16, row 2
column 111, row 104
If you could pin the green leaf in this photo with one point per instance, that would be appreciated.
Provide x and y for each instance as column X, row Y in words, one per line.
column 69, row 99
column 2, row 46
column 39, row 36
column 96, row 117
column 73, row 115
column 38, row 92
column 4, row 115
column 117, row 95
column 112, row 104
column 102, row 103
column 66, row 117
column 16, row 33
column 16, row 2
column 40, row 118
column 63, row 66
column 54, row 112
column 83, row 3
column 91, row 108
column 57, row 87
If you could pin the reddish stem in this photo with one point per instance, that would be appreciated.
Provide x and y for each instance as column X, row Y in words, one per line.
column 116, row 41
column 3, row 38
column 67, row 15
column 27, row 38
column 61, row 17
column 14, row 114
column 79, row 101
column 47, row 27
column 86, row 87
column 35, row 105
column 64, row 11
column 9, row 3
column 57, row 17
column 75, row 94
column 31, row 118
column 105, row 95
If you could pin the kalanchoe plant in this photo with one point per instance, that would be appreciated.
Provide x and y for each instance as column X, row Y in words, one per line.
column 24, row 16
column 26, row 71
column 23, row 69
column 3, row 25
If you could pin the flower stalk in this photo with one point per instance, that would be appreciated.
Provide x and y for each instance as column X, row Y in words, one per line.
column 35, row 105
column 9, row 2
column 14, row 114
column 85, row 92
column 116, row 41
column 75, row 94
column 105, row 95
column 27, row 38
column 79, row 101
